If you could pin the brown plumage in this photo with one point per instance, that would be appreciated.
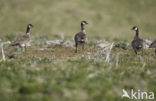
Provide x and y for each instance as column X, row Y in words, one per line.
column 153, row 45
column 23, row 40
column 137, row 43
column 80, row 38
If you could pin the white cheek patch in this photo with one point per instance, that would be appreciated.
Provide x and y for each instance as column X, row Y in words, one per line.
column 83, row 23
column 29, row 26
column 135, row 28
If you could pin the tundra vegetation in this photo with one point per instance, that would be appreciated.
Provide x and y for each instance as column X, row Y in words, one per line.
column 50, row 70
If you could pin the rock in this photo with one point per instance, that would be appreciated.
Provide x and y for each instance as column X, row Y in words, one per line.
column 54, row 42
column 102, row 44
column 122, row 44
column 68, row 44
column 6, row 43
column 147, row 43
column 59, row 42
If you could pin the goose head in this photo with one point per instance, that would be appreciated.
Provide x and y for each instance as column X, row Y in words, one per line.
column 30, row 26
column 135, row 28
column 84, row 22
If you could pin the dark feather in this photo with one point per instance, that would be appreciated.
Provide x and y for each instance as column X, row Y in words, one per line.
column 137, row 44
column 80, row 38
column 22, row 40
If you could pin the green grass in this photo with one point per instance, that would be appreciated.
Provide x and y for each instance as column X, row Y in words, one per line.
column 63, row 75
column 58, row 74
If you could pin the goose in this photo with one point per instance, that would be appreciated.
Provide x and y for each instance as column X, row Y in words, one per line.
column 137, row 43
column 80, row 37
column 153, row 45
column 23, row 40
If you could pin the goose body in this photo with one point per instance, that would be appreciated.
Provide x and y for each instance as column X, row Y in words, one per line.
column 80, row 37
column 137, row 43
column 153, row 45
column 23, row 40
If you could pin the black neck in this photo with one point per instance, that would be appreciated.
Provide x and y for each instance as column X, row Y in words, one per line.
column 137, row 33
column 82, row 27
column 28, row 30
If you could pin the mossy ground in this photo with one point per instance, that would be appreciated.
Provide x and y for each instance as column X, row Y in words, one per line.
column 57, row 73
column 62, row 74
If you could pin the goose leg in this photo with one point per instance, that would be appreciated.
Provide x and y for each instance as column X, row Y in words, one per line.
column 136, row 52
column 142, row 51
column 76, row 45
column 83, row 47
column 21, row 47
column 25, row 48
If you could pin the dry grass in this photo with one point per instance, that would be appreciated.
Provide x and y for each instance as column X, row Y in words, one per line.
column 46, row 73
